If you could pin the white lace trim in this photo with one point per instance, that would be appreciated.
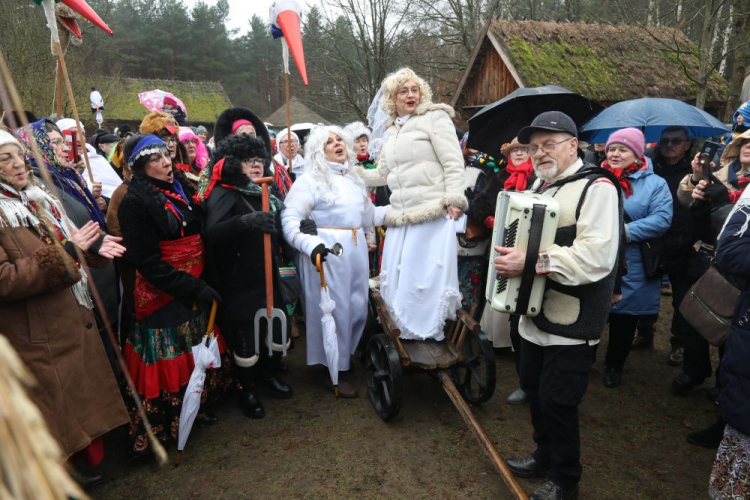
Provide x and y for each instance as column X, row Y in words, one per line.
column 446, row 310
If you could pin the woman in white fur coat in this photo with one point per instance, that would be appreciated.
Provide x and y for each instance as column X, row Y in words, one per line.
column 329, row 205
column 422, row 164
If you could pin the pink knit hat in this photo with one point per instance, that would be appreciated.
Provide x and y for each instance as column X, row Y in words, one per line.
column 632, row 138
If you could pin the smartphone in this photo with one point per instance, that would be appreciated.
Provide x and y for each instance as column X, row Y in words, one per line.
column 708, row 151
column 71, row 137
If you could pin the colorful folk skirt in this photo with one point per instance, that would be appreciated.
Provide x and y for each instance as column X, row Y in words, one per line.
column 470, row 271
column 730, row 475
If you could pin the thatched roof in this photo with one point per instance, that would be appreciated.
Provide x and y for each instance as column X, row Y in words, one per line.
column 608, row 63
column 204, row 100
column 299, row 114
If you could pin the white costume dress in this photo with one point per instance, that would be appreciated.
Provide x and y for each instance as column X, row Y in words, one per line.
column 341, row 222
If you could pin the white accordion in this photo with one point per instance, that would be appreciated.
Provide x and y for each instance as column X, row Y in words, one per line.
column 527, row 221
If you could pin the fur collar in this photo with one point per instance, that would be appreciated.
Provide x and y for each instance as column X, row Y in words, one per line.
column 424, row 108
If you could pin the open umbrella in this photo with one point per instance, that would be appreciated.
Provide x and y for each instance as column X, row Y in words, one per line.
column 651, row 115
column 498, row 123
column 205, row 356
column 154, row 100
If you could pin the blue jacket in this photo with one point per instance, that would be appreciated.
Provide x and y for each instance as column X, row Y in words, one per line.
column 733, row 257
column 650, row 208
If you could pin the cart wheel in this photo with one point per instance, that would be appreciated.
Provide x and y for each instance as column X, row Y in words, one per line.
column 384, row 382
column 474, row 376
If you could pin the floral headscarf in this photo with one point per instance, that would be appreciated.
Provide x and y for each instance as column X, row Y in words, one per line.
column 66, row 179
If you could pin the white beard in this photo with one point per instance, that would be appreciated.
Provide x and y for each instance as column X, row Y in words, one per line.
column 547, row 172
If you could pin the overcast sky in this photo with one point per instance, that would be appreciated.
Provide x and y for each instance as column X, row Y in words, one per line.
column 241, row 11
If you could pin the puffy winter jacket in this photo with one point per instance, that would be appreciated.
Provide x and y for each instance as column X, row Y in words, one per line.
column 421, row 163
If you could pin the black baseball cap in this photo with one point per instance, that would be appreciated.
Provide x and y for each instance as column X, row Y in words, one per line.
column 551, row 121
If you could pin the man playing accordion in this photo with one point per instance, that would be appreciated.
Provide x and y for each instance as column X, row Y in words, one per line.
column 556, row 349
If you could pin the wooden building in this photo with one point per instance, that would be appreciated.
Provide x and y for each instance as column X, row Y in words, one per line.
column 604, row 62
column 299, row 113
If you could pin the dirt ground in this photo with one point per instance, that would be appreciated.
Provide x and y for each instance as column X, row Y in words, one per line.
column 316, row 447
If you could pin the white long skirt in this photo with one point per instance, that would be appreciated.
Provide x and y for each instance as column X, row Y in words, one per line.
column 419, row 277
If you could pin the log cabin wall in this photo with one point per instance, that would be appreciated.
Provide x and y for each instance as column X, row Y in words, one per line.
column 490, row 81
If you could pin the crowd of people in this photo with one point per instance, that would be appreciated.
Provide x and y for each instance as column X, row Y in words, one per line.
column 171, row 222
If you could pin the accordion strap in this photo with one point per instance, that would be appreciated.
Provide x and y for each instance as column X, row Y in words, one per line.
column 532, row 254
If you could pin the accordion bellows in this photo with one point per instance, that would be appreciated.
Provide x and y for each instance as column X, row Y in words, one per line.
column 526, row 221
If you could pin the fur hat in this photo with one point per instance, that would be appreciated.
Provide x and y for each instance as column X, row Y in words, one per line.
column 357, row 130
column 156, row 121
column 631, row 138
column 236, row 148
column 732, row 151
column 224, row 123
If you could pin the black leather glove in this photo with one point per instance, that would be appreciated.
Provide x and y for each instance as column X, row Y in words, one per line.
column 718, row 193
column 259, row 221
column 308, row 226
column 208, row 294
column 319, row 250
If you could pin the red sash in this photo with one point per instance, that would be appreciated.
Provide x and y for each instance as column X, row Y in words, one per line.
column 184, row 254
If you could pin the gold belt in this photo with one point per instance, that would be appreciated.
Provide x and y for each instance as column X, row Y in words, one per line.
column 352, row 229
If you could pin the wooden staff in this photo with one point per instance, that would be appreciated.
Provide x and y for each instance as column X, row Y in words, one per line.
column 58, row 90
column 8, row 86
column 288, row 119
column 61, row 64
column 481, row 435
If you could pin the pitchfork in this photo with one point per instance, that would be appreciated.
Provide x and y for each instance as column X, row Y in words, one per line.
column 270, row 313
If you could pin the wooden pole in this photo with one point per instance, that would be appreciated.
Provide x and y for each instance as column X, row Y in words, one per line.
column 10, row 87
column 58, row 91
column 288, row 120
column 481, row 435
column 82, row 138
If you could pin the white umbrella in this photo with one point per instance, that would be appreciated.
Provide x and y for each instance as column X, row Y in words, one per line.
column 205, row 356
column 330, row 341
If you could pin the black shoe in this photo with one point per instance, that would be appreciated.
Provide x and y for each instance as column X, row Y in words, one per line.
column 710, row 437
column 250, row 405
column 278, row 388
column 526, row 467
column 684, row 383
column 85, row 480
column 612, row 378
column 550, row 491
column 676, row 357
column 208, row 419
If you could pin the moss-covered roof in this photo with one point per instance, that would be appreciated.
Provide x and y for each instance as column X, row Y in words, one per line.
column 608, row 63
column 204, row 100
column 299, row 113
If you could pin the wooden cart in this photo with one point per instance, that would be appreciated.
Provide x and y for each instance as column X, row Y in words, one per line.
column 464, row 364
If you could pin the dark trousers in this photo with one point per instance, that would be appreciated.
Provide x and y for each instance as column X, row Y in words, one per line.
column 621, row 334
column 646, row 325
column 515, row 340
column 555, row 379
column 681, row 283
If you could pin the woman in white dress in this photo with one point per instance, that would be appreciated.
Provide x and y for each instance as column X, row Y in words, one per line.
column 331, row 204
column 422, row 164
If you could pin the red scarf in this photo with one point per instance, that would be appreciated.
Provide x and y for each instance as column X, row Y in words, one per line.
column 622, row 174
column 519, row 175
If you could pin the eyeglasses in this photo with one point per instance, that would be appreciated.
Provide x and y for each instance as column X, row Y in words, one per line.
column 546, row 148
column 256, row 161
column 168, row 138
column 58, row 142
column 405, row 91
column 292, row 142
column 674, row 140
column 519, row 150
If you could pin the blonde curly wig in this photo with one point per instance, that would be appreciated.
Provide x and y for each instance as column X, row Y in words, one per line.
column 395, row 81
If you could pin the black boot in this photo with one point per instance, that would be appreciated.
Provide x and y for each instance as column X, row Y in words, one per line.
column 248, row 400
column 612, row 378
column 274, row 385
column 710, row 437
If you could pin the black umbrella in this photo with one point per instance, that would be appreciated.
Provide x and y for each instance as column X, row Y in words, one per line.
column 498, row 123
